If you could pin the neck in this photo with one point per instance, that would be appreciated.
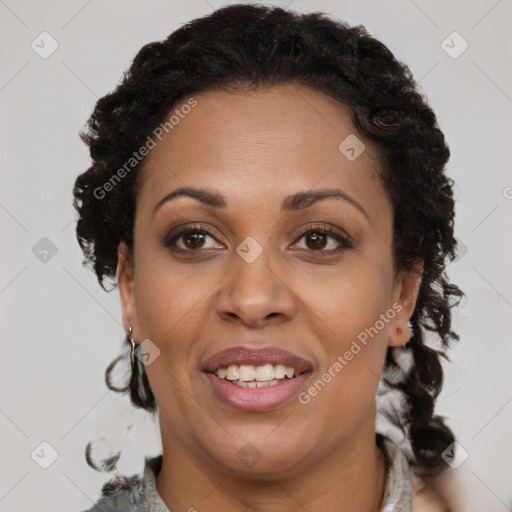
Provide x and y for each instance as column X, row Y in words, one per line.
column 351, row 477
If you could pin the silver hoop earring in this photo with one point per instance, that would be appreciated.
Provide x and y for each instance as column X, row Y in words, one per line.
column 133, row 344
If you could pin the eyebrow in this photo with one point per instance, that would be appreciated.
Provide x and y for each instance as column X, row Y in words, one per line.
column 292, row 202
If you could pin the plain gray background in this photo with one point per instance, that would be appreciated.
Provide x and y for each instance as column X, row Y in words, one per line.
column 60, row 330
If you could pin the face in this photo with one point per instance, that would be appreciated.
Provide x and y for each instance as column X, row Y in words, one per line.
column 261, row 272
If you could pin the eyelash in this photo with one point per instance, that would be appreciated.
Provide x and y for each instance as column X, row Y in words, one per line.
column 345, row 242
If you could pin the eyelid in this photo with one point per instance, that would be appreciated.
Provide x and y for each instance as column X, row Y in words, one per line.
column 324, row 227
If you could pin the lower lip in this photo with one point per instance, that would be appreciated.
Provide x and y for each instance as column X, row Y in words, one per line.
column 256, row 399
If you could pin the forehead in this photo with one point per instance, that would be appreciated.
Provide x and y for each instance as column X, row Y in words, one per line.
column 259, row 145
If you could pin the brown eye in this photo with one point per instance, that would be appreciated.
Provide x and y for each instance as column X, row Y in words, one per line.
column 316, row 241
column 323, row 241
column 193, row 240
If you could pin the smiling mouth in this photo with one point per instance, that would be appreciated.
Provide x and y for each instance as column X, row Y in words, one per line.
column 259, row 379
column 261, row 376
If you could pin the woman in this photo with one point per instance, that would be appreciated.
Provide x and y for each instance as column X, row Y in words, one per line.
column 268, row 188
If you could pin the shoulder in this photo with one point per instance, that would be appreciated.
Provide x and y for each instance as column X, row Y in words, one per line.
column 426, row 498
column 123, row 501
column 136, row 493
column 444, row 494
column 122, row 494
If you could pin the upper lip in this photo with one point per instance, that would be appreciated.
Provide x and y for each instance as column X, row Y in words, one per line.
column 256, row 357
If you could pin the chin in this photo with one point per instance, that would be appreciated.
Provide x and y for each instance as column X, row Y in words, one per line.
column 259, row 457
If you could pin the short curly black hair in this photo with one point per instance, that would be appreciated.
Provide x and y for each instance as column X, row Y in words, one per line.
column 253, row 47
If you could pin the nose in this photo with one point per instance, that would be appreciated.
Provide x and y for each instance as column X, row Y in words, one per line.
column 255, row 294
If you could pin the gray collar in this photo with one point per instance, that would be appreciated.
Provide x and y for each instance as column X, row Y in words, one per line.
column 398, row 489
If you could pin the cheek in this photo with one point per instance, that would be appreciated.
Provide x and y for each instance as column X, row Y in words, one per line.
column 170, row 300
column 354, row 338
column 347, row 302
column 354, row 313
column 171, row 311
column 351, row 314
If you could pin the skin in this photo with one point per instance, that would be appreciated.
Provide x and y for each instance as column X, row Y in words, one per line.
column 255, row 148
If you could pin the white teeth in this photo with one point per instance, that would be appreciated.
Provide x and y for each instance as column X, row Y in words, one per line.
column 264, row 373
column 279, row 371
column 256, row 384
column 232, row 372
column 290, row 372
column 247, row 374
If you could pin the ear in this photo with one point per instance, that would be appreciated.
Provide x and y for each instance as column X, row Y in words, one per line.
column 405, row 293
column 125, row 274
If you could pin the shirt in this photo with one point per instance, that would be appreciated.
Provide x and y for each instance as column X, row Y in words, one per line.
column 143, row 496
